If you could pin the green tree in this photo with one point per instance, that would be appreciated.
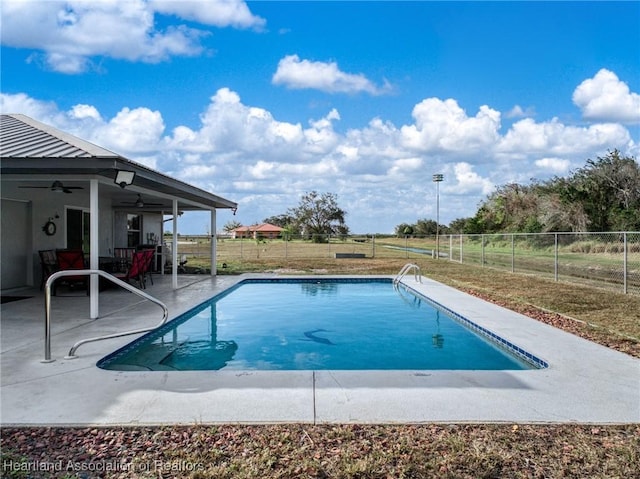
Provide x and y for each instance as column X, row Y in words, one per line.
column 608, row 189
column 319, row 215
column 282, row 221
column 459, row 225
column 231, row 225
column 404, row 229
column 425, row 227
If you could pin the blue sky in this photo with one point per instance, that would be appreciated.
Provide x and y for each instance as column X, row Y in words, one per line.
column 261, row 102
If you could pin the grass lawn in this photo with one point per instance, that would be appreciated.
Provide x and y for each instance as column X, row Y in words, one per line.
column 372, row 451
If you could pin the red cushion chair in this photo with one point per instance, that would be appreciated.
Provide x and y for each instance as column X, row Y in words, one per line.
column 70, row 259
column 135, row 270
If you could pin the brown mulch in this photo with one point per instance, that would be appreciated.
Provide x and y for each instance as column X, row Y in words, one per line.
column 323, row 451
column 593, row 333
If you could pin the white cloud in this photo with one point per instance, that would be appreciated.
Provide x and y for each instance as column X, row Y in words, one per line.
column 444, row 126
column 69, row 33
column 24, row 104
column 85, row 112
column 134, row 131
column 381, row 173
column 220, row 13
column 295, row 73
column 553, row 165
column 606, row 98
column 468, row 181
column 518, row 112
column 553, row 137
column 405, row 167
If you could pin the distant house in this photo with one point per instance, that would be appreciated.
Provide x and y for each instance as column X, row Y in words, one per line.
column 264, row 230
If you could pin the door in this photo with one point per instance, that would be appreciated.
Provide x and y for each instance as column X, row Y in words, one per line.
column 78, row 226
column 14, row 237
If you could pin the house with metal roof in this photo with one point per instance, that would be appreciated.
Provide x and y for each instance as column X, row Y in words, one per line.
column 60, row 191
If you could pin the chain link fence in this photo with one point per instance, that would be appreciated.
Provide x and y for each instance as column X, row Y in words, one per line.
column 603, row 259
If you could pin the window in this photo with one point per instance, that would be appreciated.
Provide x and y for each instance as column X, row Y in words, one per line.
column 134, row 230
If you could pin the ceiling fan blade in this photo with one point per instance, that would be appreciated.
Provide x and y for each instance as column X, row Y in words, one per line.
column 56, row 186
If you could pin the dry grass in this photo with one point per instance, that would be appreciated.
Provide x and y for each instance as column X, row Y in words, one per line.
column 371, row 451
column 341, row 451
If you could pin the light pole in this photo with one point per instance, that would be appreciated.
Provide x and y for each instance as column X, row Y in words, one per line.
column 437, row 178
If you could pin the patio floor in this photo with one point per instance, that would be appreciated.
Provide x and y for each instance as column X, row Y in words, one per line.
column 585, row 382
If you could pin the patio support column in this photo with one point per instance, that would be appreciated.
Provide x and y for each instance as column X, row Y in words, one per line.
column 94, row 246
column 214, row 262
column 174, row 247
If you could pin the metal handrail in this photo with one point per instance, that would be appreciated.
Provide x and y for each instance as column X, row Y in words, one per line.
column 417, row 274
column 113, row 279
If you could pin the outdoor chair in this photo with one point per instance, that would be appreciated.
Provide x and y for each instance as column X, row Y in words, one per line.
column 135, row 270
column 48, row 263
column 148, row 262
column 123, row 256
column 70, row 260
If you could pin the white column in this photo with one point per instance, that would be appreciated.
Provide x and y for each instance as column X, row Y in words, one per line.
column 94, row 246
column 214, row 263
column 174, row 247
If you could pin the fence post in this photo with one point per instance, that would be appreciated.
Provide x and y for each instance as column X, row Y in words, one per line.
column 286, row 246
column 482, row 250
column 373, row 245
column 624, row 262
column 460, row 249
column 555, row 257
column 513, row 253
column 406, row 246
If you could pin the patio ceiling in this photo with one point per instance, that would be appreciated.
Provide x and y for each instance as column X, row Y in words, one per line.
column 35, row 154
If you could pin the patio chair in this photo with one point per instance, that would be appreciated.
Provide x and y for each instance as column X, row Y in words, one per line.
column 148, row 261
column 69, row 259
column 48, row 263
column 135, row 270
column 124, row 256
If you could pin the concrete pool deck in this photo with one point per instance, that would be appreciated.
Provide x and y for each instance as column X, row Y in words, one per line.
column 585, row 382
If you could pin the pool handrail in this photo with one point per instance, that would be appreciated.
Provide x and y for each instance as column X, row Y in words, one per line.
column 417, row 274
column 103, row 274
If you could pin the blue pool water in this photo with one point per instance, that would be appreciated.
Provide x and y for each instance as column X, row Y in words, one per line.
column 319, row 324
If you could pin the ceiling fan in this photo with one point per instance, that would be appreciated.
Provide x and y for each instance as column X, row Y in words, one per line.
column 56, row 187
column 140, row 203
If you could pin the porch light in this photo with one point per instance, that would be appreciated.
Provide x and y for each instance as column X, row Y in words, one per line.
column 124, row 178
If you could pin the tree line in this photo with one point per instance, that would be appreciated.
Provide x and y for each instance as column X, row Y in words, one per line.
column 604, row 195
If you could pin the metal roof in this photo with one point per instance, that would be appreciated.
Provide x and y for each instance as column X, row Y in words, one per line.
column 23, row 137
column 28, row 147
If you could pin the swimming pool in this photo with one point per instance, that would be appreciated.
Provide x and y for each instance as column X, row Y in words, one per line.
column 320, row 324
